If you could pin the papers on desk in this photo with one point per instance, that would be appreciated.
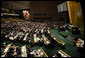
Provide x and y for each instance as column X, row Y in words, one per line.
column 48, row 31
column 63, row 54
column 23, row 49
column 35, row 38
column 25, row 36
column 11, row 38
column 41, row 30
column 46, row 41
column 6, row 50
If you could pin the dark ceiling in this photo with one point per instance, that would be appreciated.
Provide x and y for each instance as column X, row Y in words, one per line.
column 17, row 5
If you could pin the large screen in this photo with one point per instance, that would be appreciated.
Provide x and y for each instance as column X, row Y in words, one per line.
column 26, row 14
column 62, row 7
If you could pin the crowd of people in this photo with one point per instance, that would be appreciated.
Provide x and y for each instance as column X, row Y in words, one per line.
column 32, row 33
column 17, row 30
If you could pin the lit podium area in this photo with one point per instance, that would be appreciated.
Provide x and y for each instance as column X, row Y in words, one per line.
column 28, row 39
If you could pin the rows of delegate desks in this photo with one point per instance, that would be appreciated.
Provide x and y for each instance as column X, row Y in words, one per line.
column 70, row 49
column 23, row 50
column 46, row 41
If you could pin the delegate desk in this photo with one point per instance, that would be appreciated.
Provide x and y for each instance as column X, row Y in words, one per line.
column 46, row 41
column 57, row 40
column 23, row 50
column 63, row 54
column 6, row 50
column 25, row 37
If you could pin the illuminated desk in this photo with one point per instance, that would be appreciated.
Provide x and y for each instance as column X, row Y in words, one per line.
column 45, row 39
column 24, row 52
column 6, row 50
column 63, row 54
